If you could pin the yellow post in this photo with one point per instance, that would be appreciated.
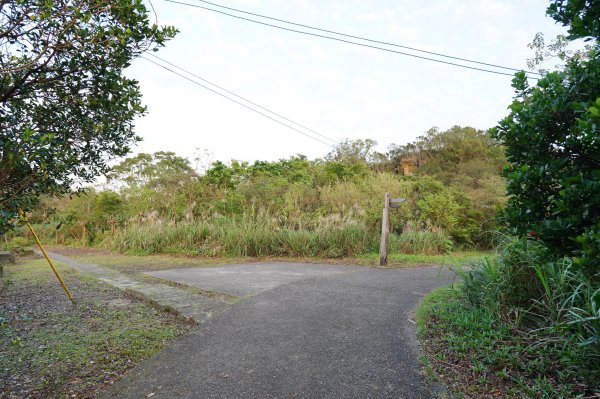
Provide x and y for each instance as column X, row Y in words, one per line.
column 39, row 243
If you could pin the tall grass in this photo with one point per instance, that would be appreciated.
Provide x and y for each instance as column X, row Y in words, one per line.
column 550, row 299
column 242, row 237
column 424, row 242
column 568, row 313
column 263, row 237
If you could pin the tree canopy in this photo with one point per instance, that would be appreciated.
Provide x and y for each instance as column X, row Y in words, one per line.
column 552, row 137
column 581, row 16
column 156, row 170
column 66, row 108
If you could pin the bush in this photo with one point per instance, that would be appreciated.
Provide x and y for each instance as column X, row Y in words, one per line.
column 552, row 139
column 551, row 298
column 481, row 356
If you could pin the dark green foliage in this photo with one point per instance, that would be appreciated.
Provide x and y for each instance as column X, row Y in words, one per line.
column 346, row 169
column 552, row 139
column 507, row 281
column 545, row 282
column 107, row 206
column 582, row 17
column 65, row 106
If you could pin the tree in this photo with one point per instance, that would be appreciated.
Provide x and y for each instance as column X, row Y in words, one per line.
column 352, row 151
column 65, row 107
column 582, row 17
column 552, row 139
column 107, row 207
column 162, row 170
column 160, row 182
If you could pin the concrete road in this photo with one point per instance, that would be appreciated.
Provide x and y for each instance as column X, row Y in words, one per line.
column 307, row 331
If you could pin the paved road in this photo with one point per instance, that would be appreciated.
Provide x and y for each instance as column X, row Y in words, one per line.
column 308, row 331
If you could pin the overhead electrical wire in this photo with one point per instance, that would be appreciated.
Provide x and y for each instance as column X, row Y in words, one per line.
column 347, row 41
column 366, row 39
column 243, row 98
column 238, row 102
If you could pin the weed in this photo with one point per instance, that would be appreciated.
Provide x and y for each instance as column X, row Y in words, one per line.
column 489, row 355
column 545, row 314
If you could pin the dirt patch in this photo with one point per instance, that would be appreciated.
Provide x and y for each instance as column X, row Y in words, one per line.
column 119, row 302
column 51, row 347
column 78, row 251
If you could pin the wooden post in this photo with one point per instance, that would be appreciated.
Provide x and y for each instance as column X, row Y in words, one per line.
column 385, row 229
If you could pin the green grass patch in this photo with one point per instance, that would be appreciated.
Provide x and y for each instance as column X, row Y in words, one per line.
column 454, row 258
column 50, row 347
column 480, row 356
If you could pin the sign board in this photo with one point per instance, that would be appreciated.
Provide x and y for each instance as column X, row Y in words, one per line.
column 395, row 202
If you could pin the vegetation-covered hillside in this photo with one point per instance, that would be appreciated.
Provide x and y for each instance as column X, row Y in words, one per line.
column 327, row 207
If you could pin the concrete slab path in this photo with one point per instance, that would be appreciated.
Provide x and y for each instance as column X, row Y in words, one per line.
column 306, row 331
column 196, row 308
column 250, row 278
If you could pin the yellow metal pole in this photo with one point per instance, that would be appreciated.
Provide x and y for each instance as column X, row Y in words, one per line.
column 39, row 243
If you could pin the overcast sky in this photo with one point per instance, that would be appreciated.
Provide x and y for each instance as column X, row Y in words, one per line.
column 339, row 90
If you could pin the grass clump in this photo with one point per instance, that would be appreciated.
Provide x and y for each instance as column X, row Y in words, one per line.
column 424, row 242
column 246, row 237
column 522, row 324
column 480, row 356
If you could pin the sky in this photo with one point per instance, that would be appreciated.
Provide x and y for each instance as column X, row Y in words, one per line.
column 336, row 89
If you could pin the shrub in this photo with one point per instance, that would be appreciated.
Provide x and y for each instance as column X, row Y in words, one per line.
column 551, row 298
column 552, row 139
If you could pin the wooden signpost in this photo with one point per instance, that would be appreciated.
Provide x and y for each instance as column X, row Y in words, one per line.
column 385, row 226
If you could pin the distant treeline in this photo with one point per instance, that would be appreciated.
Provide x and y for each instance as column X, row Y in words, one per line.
column 326, row 207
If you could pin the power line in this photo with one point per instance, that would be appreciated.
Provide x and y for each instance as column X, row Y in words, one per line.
column 346, row 41
column 237, row 102
column 366, row 39
column 242, row 98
